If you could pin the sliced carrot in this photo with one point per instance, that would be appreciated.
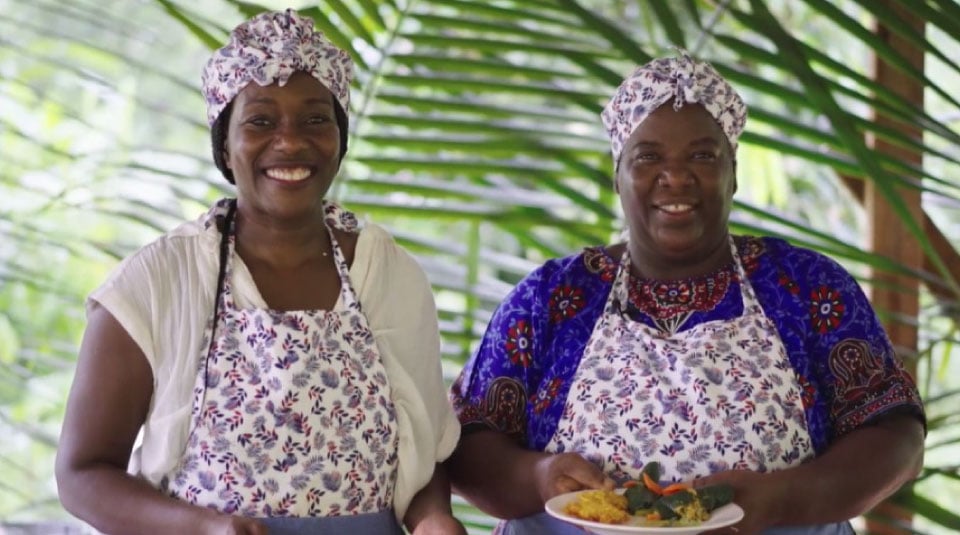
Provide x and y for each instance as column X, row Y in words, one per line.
column 630, row 484
column 674, row 488
column 652, row 485
column 653, row 516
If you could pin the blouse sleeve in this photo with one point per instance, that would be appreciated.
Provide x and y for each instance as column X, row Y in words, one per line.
column 495, row 384
column 162, row 296
column 859, row 378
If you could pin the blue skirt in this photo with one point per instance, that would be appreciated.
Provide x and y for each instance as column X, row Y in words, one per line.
column 542, row 523
column 384, row 522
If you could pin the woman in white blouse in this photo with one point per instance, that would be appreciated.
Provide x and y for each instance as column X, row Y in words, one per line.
column 279, row 361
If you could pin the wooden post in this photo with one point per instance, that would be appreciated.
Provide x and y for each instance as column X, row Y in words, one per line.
column 895, row 294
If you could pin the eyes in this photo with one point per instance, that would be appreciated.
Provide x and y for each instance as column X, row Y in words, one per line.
column 650, row 156
column 262, row 122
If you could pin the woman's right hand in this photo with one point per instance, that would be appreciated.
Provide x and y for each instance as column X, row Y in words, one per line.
column 560, row 473
column 523, row 479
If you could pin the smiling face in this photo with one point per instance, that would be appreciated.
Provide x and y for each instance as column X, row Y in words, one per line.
column 283, row 146
column 676, row 183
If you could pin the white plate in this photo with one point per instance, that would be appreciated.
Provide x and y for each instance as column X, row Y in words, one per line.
column 724, row 516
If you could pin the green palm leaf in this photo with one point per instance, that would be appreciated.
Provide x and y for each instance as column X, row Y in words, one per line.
column 475, row 139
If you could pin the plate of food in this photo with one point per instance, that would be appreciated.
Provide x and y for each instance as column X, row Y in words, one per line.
column 645, row 507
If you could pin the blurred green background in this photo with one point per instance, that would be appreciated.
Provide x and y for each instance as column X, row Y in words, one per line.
column 475, row 139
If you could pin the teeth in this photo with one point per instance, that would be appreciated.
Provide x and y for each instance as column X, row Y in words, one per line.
column 675, row 208
column 289, row 175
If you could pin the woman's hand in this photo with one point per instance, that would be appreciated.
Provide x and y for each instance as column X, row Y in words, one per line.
column 508, row 481
column 560, row 473
column 759, row 495
column 857, row 472
column 440, row 524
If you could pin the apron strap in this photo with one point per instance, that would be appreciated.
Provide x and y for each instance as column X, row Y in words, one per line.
column 618, row 296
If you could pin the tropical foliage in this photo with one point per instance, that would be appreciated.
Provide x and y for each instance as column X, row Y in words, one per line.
column 475, row 138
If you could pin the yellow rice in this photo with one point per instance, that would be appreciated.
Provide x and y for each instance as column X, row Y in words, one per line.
column 599, row 506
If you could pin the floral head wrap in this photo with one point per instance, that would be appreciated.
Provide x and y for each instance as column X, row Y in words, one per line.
column 682, row 79
column 269, row 48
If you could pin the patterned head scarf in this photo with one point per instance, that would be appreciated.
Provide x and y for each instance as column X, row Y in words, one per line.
column 682, row 79
column 269, row 48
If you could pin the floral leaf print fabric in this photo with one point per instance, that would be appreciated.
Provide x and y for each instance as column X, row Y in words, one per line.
column 306, row 397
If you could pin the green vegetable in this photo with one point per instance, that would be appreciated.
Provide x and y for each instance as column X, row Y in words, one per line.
column 714, row 496
column 669, row 506
column 652, row 469
column 639, row 497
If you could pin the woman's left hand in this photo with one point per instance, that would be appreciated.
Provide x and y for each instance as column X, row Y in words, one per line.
column 759, row 495
column 440, row 524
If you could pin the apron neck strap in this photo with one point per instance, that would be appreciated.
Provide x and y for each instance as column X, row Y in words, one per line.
column 618, row 294
column 226, row 230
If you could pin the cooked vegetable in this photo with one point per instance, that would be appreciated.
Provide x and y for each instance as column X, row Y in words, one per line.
column 714, row 496
column 651, row 469
column 639, row 497
column 651, row 484
column 675, row 487
column 693, row 504
column 673, row 505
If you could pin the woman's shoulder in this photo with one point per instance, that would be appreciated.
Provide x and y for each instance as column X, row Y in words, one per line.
column 374, row 241
column 589, row 270
column 589, row 262
column 190, row 246
column 382, row 265
column 782, row 255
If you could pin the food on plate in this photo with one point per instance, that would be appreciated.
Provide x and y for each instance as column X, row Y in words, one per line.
column 646, row 500
column 599, row 506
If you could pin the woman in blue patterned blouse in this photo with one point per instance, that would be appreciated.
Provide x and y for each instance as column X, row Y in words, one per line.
column 731, row 359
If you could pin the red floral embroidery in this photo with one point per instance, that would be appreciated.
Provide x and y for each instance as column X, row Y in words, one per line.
column 665, row 299
column 866, row 383
column 807, row 392
column 787, row 283
column 750, row 250
column 565, row 302
column 599, row 262
column 519, row 340
column 545, row 396
column 826, row 309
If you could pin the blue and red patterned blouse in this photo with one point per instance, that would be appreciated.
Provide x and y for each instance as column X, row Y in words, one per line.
column 517, row 381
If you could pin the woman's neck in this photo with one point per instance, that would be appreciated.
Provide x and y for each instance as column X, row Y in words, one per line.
column 649, row 265
column 282, row 243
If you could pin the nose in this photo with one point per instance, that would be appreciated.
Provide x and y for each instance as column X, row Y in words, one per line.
column 674, row 175
column 288, row 138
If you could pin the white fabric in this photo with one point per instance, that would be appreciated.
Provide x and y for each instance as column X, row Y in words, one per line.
column 163, row 297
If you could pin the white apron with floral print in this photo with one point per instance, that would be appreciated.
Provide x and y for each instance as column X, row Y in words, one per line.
column 721, row 395
column 292, row 416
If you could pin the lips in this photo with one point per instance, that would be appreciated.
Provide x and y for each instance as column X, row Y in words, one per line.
column 288, row 174
column 675, row 207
